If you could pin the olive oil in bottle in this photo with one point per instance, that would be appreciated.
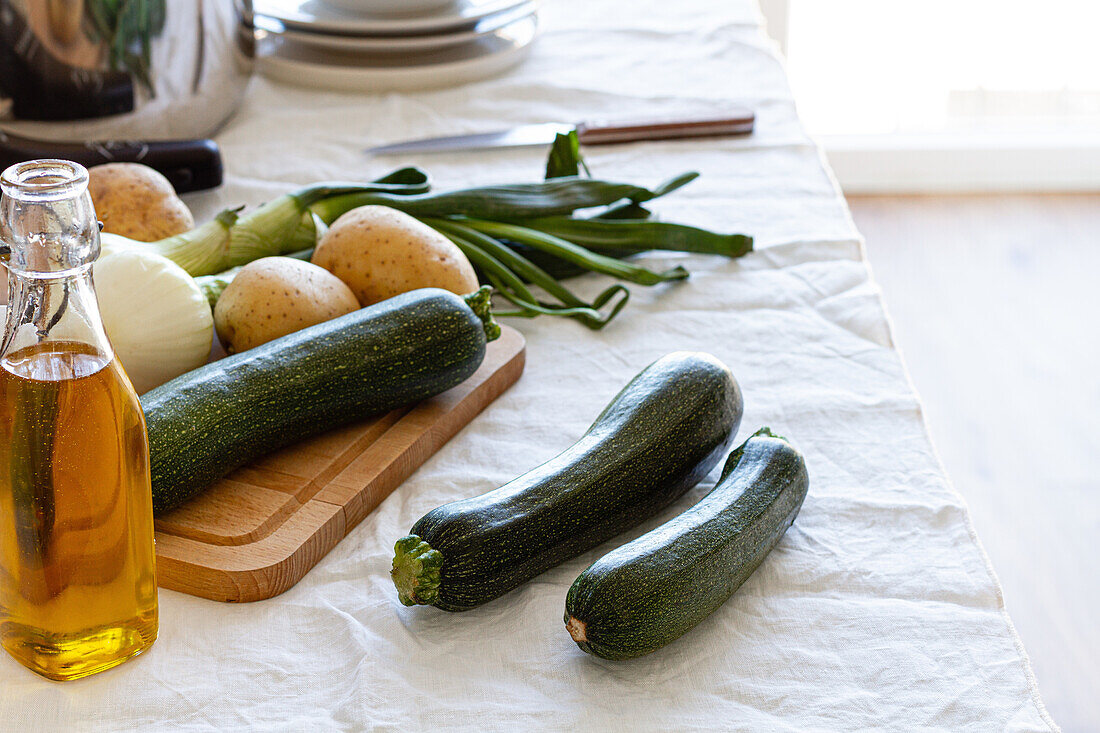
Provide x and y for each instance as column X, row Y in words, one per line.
column 78, row 591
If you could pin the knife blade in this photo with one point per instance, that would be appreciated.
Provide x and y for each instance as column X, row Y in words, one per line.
column 516, row 137
column 736, row 122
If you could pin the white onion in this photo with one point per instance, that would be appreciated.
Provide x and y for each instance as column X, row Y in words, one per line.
column 158, row 320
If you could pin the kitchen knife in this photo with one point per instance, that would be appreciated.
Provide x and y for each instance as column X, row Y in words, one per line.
column 736, row 122
column 190, row 165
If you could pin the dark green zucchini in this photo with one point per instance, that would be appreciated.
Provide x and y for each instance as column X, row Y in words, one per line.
column 209, row 421
column 659, row 437
column 651, row 591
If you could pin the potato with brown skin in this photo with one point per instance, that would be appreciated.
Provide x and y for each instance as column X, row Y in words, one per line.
column 135, row 201
column 65, row 17
column 274, row 296
column 381, row 252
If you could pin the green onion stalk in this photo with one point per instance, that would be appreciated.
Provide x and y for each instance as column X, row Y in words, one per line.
column 555, row 197
column 523, row 239
column 575, row 254
column 496, row 226
column 639, row 235
column 509, row 272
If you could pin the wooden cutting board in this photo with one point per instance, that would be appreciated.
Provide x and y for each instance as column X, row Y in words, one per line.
column 256, row 532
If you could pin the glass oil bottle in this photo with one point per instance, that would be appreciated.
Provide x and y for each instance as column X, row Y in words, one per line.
column 78, row 592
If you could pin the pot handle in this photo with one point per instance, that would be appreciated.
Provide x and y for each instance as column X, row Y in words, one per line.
column 190, row 165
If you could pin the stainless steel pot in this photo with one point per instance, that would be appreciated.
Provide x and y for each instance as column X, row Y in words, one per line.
column 80, row 70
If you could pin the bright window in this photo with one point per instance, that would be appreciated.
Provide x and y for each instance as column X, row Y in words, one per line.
column 881, row 66
column 885, row 73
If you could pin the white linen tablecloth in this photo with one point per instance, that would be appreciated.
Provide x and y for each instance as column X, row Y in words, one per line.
column 878, row 610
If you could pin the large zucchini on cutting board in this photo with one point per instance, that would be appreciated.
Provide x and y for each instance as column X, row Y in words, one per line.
column 209, row 421
column 651, row 591
column 659, row 437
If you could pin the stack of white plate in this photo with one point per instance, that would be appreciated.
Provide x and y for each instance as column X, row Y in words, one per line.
column 389, row 45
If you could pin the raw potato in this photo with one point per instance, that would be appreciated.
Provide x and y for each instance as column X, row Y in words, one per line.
column 274, row 296
column 65, row 17
column 135, row 201
column 381, row 252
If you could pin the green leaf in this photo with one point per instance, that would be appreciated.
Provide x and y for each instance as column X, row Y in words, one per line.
column 565, row 157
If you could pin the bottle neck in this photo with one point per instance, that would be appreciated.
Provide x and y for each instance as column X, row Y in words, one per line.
column 48, row 223
column 60, row 309
column 47, row 220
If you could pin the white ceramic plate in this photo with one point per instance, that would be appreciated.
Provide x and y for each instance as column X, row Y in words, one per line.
column 294, row 63
column 316, row 16
column 389, row 7
column 396, row 44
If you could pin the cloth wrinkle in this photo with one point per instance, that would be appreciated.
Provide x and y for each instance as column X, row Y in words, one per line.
column 876, row 611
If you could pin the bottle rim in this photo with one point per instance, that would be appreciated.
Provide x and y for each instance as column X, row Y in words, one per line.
column 46, row 179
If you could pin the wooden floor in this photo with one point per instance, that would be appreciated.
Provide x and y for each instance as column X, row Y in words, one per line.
column 996, row 307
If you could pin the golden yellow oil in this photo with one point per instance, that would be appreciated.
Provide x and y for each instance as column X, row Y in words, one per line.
column 78, row 591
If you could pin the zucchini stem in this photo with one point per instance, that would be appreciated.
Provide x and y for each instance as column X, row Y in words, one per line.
column 739, row 451
column 766, row 431
column 576, row 629
column 415, row 571
column 481, row 303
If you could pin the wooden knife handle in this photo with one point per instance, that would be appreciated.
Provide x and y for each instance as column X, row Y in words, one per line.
column 736, row 122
